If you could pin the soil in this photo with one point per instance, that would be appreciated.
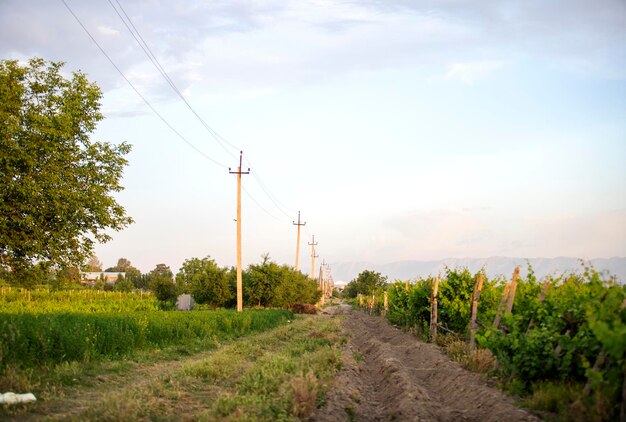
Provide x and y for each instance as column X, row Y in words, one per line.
column 390, row 375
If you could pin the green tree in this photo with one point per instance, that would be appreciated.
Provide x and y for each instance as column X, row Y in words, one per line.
column 65, row 276
column 56, row 185
column 271, row 285
column 162, row 283
column 207, row 282
column 130, row 273
column 366, row 283
column 122, row 284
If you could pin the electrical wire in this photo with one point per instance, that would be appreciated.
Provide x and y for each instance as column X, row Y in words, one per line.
column 139, row 93
column 261, row 206
column 146, row 49
column 279, row 205
column 221, row 140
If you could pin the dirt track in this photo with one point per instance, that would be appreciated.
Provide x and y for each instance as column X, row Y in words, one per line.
column 401, row 378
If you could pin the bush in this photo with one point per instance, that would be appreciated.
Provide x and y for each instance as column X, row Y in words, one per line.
column 304, row 308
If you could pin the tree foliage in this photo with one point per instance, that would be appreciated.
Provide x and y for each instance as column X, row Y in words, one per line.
column 207, row 282
column 131, row 273
column 162, row 283
column 366, row 283
column 271, row 285
column 94, row 264
column 56, row 184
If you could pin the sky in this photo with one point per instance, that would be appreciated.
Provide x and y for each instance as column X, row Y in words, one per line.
column 402, row 130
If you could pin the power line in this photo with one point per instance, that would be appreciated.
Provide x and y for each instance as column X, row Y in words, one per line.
column 139, row 93
column 279, row 205
column 146, row 49
column 261, row 206
column 221, row 140
column 144, row 46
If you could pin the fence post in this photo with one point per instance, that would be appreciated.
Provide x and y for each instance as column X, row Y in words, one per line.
column 509, row 304
column 478, row 285
column 505, row 294
column 433, row 310
column 385, row 303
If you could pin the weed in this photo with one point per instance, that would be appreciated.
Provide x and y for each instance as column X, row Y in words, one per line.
column 305, row 392
column 351, row 413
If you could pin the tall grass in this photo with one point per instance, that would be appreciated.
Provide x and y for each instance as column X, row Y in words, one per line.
column 38, row 339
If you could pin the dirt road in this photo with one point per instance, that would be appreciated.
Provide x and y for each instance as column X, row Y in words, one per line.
column 391, row 375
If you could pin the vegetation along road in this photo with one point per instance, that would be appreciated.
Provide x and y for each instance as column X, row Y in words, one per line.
column 340, row 365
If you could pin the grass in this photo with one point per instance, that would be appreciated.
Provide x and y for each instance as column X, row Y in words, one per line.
column 29, row 340
column 279, row 374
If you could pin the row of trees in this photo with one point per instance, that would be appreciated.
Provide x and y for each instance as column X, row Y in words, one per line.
column 266, row 284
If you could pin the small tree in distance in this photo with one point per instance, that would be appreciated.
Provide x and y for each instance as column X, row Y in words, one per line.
column 162, row 284
column 366, row 283
column 131, row 273
column 207, row 282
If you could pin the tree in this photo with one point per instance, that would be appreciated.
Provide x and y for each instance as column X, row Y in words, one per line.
column 162, row 283
column 94, row 264
column 131, row 273
column 56, row 185
column 271, row 285
column 123, row 284
column 366, row 283
column 207, row 282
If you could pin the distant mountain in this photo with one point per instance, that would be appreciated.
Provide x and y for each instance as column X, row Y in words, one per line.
column 494, row 266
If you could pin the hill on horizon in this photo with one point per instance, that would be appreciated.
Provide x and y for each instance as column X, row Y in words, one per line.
column 494, row 267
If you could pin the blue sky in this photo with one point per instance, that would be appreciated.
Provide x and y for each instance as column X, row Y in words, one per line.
column 401, row 130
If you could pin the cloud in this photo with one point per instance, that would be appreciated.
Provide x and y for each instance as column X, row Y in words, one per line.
column 107, row 30
column 444, row 233
column 469, row 72
column 242, row 45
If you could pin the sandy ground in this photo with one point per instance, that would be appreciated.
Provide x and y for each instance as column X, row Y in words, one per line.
column 389, row 375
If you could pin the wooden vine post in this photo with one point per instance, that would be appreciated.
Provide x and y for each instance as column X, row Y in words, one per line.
column 478, row 285
column 509, row 304
column 508, row 295
column 385, row 303
column 433, row 310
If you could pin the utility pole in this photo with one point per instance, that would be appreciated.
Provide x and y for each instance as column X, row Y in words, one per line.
column 313, row 256
column 239, row 283
column 298, row 244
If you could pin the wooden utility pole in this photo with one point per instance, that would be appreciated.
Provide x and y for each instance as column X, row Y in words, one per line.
column 322, row 285
column 239, row 283
column 313, row 244
column 298, row 243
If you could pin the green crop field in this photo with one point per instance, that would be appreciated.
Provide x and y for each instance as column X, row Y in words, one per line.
column 40, row 328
